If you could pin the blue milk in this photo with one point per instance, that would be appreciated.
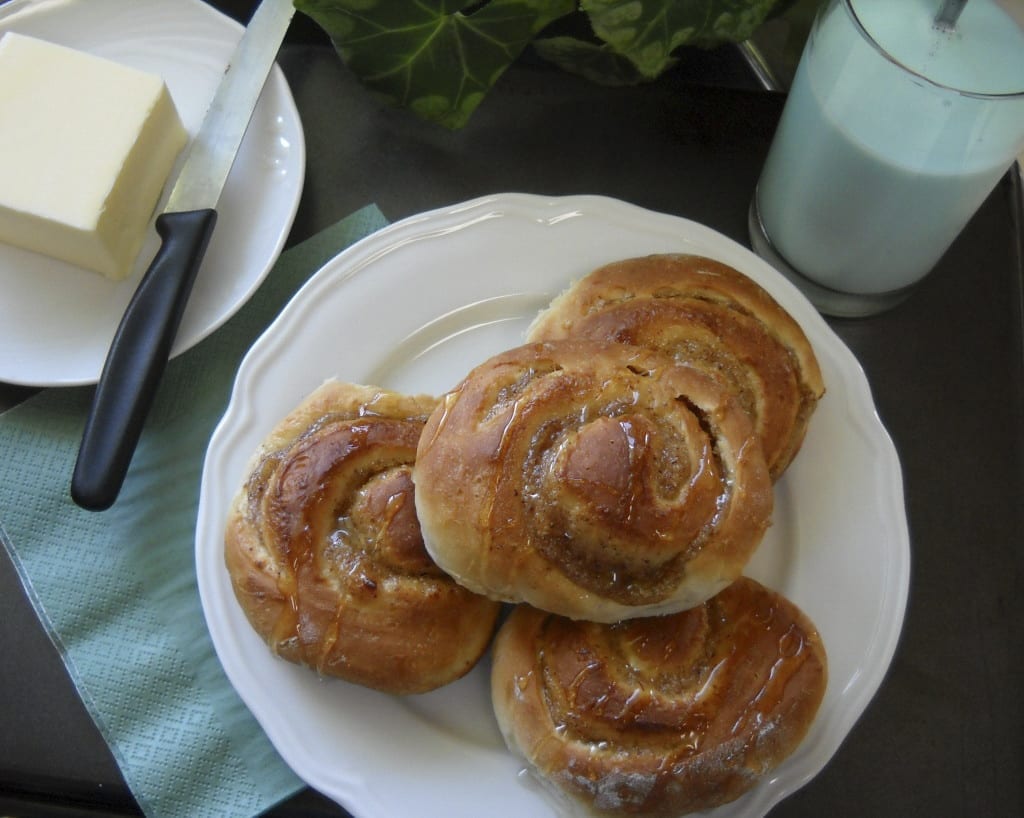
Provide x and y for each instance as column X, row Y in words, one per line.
column 874, row 169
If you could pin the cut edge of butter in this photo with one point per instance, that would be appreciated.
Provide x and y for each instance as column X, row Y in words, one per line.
column 86, row 146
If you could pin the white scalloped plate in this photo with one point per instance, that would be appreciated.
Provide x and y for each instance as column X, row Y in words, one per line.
column 414, row 307
column 57, row 320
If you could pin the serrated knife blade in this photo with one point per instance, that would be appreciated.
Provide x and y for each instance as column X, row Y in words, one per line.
column 142, row 344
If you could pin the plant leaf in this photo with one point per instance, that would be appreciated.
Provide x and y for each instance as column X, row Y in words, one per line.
column 597, row 62
column 648, row 31
column 437, row 57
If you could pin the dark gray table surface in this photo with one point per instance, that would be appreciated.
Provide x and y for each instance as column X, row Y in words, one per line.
column 944, row 736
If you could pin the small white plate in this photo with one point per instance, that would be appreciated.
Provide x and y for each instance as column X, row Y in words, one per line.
column 57, row 320
column 414, row 307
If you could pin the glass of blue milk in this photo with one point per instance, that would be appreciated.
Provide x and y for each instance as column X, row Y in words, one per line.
column 895, row 131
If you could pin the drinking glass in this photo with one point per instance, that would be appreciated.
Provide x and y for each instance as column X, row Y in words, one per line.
column 895, row 131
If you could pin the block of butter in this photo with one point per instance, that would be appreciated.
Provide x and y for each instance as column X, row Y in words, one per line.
column 86, row 146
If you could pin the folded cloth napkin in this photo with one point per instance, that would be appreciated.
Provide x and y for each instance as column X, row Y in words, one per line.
column 117, row 590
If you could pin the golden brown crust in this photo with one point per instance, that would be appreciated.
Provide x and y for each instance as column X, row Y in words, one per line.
column 591, row 479
column 709, row 314
column 660, row 716
column 325, row 552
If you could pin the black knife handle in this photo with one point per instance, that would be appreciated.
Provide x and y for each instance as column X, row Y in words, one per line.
column 137, row 358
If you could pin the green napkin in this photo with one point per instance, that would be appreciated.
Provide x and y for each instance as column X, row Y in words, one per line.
column 117, row 589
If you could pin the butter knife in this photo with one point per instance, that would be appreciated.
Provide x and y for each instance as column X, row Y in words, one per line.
column 141, row 345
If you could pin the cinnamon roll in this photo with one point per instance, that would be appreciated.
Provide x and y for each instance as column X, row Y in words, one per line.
column 325, row 552
column 592, row 479
column 706, row 313
column 659, row 716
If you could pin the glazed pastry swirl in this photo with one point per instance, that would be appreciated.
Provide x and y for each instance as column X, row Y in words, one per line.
column 660, row 716
column 590, row 479
column 325, row 552
column 708, row 314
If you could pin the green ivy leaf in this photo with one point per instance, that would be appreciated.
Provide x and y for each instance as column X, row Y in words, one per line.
column 648, row 31
column 597, row 62
column 436, row 57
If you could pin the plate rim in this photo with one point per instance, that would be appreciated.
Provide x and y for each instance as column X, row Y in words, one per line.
column 861, row 408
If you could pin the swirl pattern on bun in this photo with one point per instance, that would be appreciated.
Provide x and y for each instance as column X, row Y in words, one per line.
column 326, row 556
column 660, row 716
column 592, row 479
column 708, row 314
